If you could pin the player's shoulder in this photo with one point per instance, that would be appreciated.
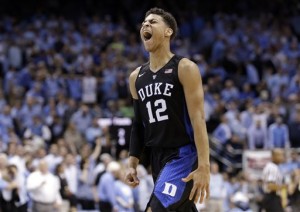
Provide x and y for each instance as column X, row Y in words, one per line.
column 186, row 63
column 133, row 75
column 187, row 68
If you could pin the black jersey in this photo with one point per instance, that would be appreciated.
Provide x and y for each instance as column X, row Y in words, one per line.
column 163, row 106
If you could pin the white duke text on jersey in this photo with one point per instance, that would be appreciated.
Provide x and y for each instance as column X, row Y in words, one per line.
column 157, row 88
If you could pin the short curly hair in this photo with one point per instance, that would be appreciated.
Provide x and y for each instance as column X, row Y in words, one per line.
column 167, row 17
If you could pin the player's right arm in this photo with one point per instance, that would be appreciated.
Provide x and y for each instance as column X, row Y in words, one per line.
column 136, row 139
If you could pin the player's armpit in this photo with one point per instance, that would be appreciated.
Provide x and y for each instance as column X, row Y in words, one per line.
column 132, row 79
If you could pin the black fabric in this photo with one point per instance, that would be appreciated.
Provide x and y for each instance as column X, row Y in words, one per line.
column 163, row 107
column 272, row 203
column 159, row 158
column 156, row 206
column 87, row 204
column 137, row 133
column 105, row 206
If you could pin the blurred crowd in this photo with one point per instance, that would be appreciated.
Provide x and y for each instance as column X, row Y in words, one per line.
column 58, row 77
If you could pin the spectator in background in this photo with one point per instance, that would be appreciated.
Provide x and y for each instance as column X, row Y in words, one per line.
column 69, row 199
column 74, row 87
column 217, row 190
column 19, row 197
column 71, row 173
column 53, row 158
column 14, row 55
column 106, row 188
column 82, row 118
column 223, row 132
column 239, row 203
column 86, row 178
column 294, row 131
column 261, row 113
column 7, row 185
column 74, row 139
column 38, row 129
column 246, row 115
column 257, row 136
column 44, row 189
column 105, row 139
column 143, row 192
column 89, row 88
column 93, row 131
column 123, row 193
column 289, row 165
column 29, row 109
column 278, row 134
column 230, row 92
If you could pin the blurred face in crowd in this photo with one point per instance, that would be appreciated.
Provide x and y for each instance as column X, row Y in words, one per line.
column 279, row 120
column 214, row 168
column 43, row 167
column 20, row 150
column 60, row 168
column 294, row 156
column 84, row 109
column 70, row 160
column 278, row 156
column 258, row 124
column 63, row 151
column 41, row 153
column 6, row 110
column 30, row 101
column 95, row 122
column 85, row 151
column 54, row 149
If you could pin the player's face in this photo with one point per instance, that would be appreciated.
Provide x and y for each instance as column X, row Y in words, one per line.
column 154, row 31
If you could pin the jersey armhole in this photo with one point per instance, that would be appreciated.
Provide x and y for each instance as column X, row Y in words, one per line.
column 140, row 68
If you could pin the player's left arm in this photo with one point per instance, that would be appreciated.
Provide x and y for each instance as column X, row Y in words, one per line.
column 190, row 78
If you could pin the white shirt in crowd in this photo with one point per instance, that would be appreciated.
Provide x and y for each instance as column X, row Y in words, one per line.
column 71, row 174
column 217, row 186
column 89, row 87
column 44, row 188
column 53, row 161
column 19, row 162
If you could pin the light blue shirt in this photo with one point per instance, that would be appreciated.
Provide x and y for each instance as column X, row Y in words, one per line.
column 3, row 184
column 106, row 189
column 124, row 192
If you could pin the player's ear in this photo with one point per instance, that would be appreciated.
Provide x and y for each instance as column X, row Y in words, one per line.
column 168, row 32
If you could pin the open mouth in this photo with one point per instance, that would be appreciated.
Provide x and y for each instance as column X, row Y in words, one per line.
column 147, row 35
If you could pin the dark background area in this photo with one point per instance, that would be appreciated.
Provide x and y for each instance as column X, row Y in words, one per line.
column 134, row 9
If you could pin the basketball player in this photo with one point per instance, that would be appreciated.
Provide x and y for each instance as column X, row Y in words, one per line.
column 169, row 119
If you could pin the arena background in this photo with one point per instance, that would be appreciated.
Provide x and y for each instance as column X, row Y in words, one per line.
column 264, row 57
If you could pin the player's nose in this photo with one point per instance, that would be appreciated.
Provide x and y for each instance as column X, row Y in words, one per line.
column 146, row 24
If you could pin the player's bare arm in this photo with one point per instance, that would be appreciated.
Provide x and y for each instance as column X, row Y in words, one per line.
column 190, row 78
column 131, row 175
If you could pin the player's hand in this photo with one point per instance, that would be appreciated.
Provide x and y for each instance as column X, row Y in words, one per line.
column 201, row 178
column 131, row 177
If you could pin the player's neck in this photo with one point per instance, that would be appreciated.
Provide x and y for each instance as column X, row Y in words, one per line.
column 159, row 58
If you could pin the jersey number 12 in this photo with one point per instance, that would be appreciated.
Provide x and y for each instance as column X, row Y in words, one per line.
column 160, row 107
